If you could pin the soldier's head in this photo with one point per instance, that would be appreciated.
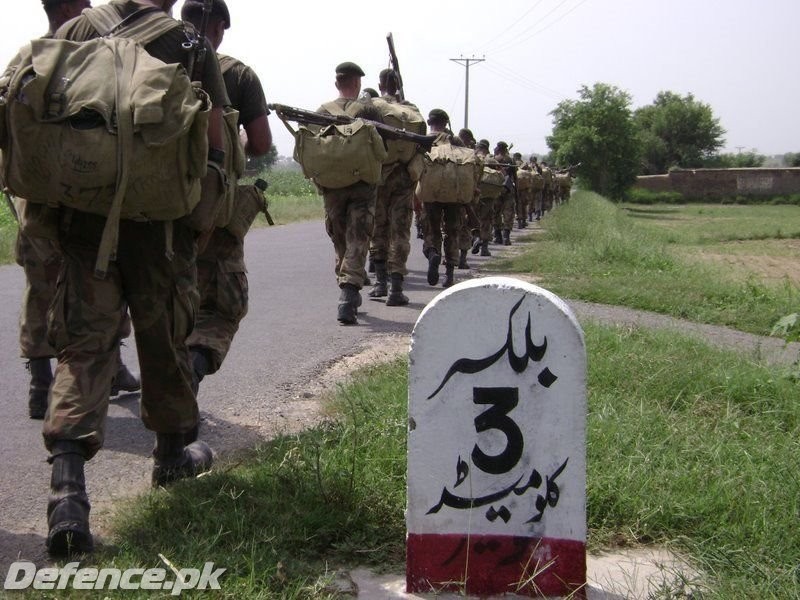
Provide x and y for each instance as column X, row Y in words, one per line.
column 348, row 79
column 388, row 83
column 533, row 158
column 60, row 11
column 466, row 136
column 438, row 120
column 218, row 21
column 369, row 92
column 501, row 148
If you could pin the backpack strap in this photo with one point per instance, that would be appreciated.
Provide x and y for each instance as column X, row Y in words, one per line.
column 142, row 26
column 226, row 63
column 337, row 111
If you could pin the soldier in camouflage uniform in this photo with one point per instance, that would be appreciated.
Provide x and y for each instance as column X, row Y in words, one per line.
column 153, row 271
column 442, row 219
column 470, row 224
column 485, row 206
column 504, row 206
column 391, row 237
column 40, row 258
column 548, row 192
column 221, row 272
column 350, row 211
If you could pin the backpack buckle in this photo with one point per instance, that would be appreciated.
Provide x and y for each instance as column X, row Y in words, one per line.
column 58, row 100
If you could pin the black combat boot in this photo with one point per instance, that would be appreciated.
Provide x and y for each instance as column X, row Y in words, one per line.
column 124, row 380
column 379, row 290
column 506, row 237
column 462, row 260
column 448, row 275
column 396, row 295
column 41, row 379
column 476, row 244
column 485, row 249
column 349, row 301
column 68, row 505
column 174, row 459
column 371, row 265
column 498, row 239
column 434, row 260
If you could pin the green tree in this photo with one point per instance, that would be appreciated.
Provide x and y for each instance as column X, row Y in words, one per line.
column 677, row 131
column 740, row 160
column 598, row 131
column 256, row 164
column 792, row 159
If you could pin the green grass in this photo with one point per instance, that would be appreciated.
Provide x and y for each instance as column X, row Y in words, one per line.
column 596, row 251
column 689, row 447
column 291, row 197
column 8, row 231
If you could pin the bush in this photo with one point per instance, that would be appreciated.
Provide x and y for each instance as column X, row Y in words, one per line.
column 642, row 196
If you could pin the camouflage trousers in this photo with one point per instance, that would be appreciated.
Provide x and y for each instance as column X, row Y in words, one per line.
column 40, row 258
column 524, row 202
column 469, row 226
column 442, row 226
column 222, row 283
column 537, row 202
column 504, row 207
column 485, row 211
column 547, row 198
column 85, row 320
column 391, row 236
column 349, row 221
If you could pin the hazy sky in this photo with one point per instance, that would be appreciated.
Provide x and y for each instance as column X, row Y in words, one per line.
column 739, row 56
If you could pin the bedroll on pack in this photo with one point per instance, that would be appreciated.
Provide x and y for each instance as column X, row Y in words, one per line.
column 451, row 175
column 102, row 127
column 336, row 156
column 402, row 116
column 491, row 184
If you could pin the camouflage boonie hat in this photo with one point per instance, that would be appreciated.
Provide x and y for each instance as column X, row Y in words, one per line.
column 502, row 145
column 483, row 144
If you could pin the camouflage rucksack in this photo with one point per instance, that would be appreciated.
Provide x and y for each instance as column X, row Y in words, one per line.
column 451, row 174
column 103, row 127
column 491, row 184
column 337, row 156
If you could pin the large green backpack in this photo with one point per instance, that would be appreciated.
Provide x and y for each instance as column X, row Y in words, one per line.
column 103, row 127
column 337, row 156
column 451, row 174
column 402, row 116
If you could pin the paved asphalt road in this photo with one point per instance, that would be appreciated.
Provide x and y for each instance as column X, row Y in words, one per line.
column 288, row 338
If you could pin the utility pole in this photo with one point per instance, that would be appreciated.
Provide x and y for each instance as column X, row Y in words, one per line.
column 466, row 62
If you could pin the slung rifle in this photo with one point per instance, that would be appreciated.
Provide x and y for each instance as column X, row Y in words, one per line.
column 387, row 132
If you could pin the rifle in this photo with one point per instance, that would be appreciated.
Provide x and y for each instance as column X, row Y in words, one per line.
column 200, row 43
column 308, row 117
column 395, row 66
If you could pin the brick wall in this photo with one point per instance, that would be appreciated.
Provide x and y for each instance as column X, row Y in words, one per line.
column 715, row 184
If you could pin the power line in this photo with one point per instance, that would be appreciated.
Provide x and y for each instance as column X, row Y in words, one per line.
column 511, row 76
column 513, row 24
column 519, row 39
column 466, row 62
